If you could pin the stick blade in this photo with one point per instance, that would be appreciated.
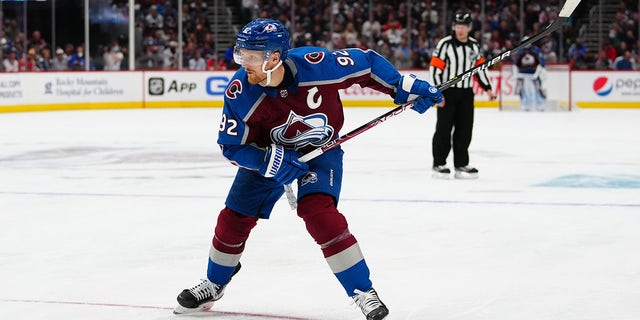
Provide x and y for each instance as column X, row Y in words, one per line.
column 568, row 8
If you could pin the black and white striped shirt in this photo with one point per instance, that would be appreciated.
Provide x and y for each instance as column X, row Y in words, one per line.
column 452, row 57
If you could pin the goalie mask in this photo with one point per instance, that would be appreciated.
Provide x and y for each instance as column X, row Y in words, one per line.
column 258, row 40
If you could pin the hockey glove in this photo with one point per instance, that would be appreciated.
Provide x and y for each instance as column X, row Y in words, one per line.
column 411, row 88
column 282, row 165
column 422, row 104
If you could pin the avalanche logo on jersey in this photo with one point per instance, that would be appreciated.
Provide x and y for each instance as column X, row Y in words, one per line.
column 301, row 131
column 314, row 57
column 234, row 89
column 529, row 59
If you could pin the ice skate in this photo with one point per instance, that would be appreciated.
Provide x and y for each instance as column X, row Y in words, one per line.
column 370, row 304
column 466, row 172
column 441, row 172
column 201, row 296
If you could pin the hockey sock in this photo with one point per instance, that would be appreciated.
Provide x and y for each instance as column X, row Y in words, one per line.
column 231, row 233
column 329, row 229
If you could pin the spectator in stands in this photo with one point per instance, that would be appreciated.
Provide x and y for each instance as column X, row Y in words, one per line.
column 153, row 19
column 608, row 50
column 151, row 59
column 602, row 62
column 170, row 56
column 197, row 62
column 629, row 38
column 60, row 62
column 69, row 50
column 246, row 10
column 371, row 28
column 112, row 57
column 11, row 28
column 586, row 62
column 393, row 30
column 5, row 43
column 3, row 53
column 208, row 45
column 124, row 64
column 577, row 52
column 548, row 48
column 28, row 61
column 98, row 59
column 359, row 27
column 298, row 35
column 622, row 49
column 211, row 62
column 222, row 64
column 384, row 49
column 402, row 55
column 614, row 37
column 77, row 60
column 18, row 44
column 350, row 35
column 429, row 13
column 170, row 15
column 508, row 45
column 44, row 59
column 10, row 63
column 625, row 62
column 36, row 41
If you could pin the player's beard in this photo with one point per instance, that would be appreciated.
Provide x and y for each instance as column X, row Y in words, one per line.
column 256, row 77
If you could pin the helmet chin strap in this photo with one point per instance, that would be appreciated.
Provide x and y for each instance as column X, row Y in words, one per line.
column 268, row 72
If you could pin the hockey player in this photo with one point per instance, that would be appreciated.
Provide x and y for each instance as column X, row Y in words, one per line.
column 279, row 105
column 529, row 70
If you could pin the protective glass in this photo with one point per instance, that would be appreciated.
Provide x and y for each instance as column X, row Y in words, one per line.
column 245, row 57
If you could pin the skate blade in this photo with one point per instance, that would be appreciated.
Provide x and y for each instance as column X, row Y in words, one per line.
column 182, row 310
column 440, row 175
column 466, row 175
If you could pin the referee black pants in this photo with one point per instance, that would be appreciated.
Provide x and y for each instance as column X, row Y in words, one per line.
column 456, row 116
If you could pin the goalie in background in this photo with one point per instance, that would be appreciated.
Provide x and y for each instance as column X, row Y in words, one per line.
column 530, row 74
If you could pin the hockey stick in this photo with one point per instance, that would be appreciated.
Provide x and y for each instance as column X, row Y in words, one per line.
column 563, row 16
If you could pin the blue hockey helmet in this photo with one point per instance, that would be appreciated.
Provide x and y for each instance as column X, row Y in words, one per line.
column 264, row 35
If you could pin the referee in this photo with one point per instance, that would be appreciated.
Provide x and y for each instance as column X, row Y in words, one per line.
column 453, row 55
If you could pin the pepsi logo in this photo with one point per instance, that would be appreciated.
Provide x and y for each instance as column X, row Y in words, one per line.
column 602, row 86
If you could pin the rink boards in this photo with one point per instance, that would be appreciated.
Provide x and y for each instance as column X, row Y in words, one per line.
column 39, row 91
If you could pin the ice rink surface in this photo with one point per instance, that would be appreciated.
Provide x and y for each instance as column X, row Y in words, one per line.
column 109, row 215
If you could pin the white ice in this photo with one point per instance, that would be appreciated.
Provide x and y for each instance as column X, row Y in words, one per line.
column 109, row 215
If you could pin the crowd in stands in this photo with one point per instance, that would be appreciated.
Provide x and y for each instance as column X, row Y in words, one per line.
column 156, row 42
column 619, row 50
column 405, row 32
